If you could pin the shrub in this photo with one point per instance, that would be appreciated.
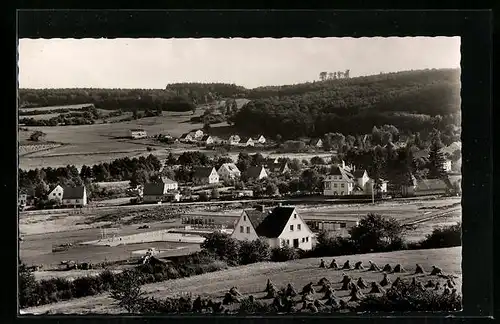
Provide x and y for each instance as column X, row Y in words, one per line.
column 127, row 291
column 283, row 254
column 446, row 236
column 332, row 246
column 222, row 246
column 107, row 278
column 406, row 298
column 254, row 251
column 86, row 286
column 28, row 287
column 248, row 306
column 376, row 233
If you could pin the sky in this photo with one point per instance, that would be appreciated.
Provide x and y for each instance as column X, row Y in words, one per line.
column 154, row 63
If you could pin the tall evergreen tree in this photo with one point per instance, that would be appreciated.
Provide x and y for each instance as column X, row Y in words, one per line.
column 436, row 161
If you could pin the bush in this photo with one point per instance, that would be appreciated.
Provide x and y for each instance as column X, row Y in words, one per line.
column 127, row 291
column 407, row 298
column 283, row 254
column 28, row 287
column 447, row 236
column 254, row 251
column 376, row 233
column 332, row 246
column 222, row 246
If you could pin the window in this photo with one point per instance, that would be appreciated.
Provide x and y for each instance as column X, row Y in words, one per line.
column 244, row 218
column 291, row 228
column 287, row 242
column 341, row 185
column 343, row 225
column 59, row 194
column 77, row 200
column 241, row 229
column 335, row 185
column 298, row 227
column 303, row 239
column 335, row 193
column 307, row 238
column 327, row 185
column 248, row 229
column 295, row 216
column 341, row 193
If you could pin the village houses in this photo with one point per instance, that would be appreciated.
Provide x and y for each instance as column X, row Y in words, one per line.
column 246, row 141
column 341, row 182
column 138, row 133
column 74, row 196
column 277, row 168
column 197, row 134
column 229, row 171
column 56, row 194
column 207, row 139
column 187, row 138
column 282, row 226
column 205, row 175
column 317, row 142
column 156, row 192
column 233, row 140
column 256, row 173
column 260, row 139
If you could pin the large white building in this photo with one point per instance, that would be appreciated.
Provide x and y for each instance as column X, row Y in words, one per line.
column 280, row 226
column 341, row 182
column 229, row 171
column 74, row 196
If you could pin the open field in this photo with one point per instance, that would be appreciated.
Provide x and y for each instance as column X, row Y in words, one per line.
column 251, row 279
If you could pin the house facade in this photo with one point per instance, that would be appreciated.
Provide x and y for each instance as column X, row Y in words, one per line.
column 188, row 137
column 207, row 139
column 447, row 165
column 316, row 143
column 260, row 139
column 138, row 133
column 341, row 182
column 205, row 175
column 56, row 194
column 74, row 196
column 170, row 184
column 233, row 140
column 22, row 200
column 229, row 171
column 197, row 134
column 256, row 173
column 246, row 141
column 280, row 226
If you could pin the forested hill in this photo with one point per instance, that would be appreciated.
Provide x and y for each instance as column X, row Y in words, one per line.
column 413, row 101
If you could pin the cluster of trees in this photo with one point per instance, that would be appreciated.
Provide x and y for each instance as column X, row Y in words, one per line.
column 412, row 101
column 85, row 116
column 323, row 76
column 39, row 181
column 33, row 112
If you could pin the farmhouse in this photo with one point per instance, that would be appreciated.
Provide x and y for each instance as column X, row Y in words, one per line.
column 197, row 134
column 341, row 182
column 277, row 168
column 56, row 194
column 74, row 196
column 229, row 171
column 233, row 140
column 256, row 173
column 170, row 184
column 138, row 133
column 187, row 137
column 246, row 141
column 207, row 140
column 260, row 139
column 317, row 142
column 281, row 226
column 205, row 175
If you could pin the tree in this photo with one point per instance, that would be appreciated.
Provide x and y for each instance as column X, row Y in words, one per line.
column 272, row 189
column 215, row 193
column 244, row 161
column 37, row 136
column 127, row 291
column 27, row 287
column 139, row 177
column 376, row 233
column 254, row 251
column 207, row 127
column 317, row 160
column 311, row 180
column 222, row 246
column 295, row 165
column 170, row 160
column 346, row 73
column 322, row 76
column 41, row 189
column 436, row 161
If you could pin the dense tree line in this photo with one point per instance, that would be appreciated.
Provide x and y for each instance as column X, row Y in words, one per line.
column 85, row 116
column 411, row 101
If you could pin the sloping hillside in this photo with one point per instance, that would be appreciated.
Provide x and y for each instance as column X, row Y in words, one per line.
column 251, row 279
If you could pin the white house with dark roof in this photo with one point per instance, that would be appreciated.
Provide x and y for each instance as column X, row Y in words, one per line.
column 280, row 226
column 156, row 192
column 341, row 182
column 169, row 183
column 260, row 139
column 205, row 175
column 197, row 134
column 207, row 139
column 187, row 137
column 229, row 171
column 316, row 142
column 246, row 141
column 256, row 173
column 233, row 140
column 74, row 196
column 138, row 133
column 56, row 194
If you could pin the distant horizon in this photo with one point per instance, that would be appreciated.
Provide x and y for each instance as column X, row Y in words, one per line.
column 262, row 86
column 152, row 63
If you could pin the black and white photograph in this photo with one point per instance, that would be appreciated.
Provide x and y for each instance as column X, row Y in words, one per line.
column 239, row 176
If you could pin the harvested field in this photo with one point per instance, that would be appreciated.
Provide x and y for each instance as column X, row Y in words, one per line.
column 252, row 279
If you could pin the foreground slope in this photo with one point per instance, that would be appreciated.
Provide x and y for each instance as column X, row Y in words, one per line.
column 251, row 279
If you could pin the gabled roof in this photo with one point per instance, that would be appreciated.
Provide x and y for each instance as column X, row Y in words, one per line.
column 73, row 192
column 203, row 172
column 166, row 180
column 245, row 139
column 339, row 171
column 256, row 217
column 153, row 189
column 315, row 141
column 231, row 167
column 274, row 222
column 276, row 167
column 254, row 172
column 185, row 135
column 54, row 187
column 206, row 137
column 359, row 173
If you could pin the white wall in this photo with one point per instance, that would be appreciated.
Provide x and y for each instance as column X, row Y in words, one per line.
column 303, row 233
column 56, row 194
column 245, row 222
column 332, row 190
